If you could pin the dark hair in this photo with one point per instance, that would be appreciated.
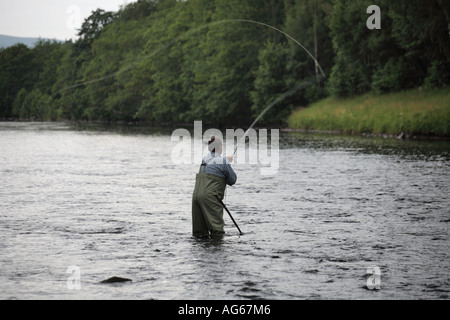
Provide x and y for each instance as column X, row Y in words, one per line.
column 214, row 144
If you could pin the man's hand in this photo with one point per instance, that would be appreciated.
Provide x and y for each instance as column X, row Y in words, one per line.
column 230, row 158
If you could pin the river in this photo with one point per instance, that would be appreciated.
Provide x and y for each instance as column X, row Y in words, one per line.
column 344, row 217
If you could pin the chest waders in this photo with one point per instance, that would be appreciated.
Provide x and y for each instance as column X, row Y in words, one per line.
column 207, row 212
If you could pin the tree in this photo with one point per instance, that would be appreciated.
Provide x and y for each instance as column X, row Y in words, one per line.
column 90, row 30
column 411, row 48
column 421, row 28
column 224, row 77
column 351, row 73
column 16, row 71
column 307, row 21
column 33, row 105
column 270, row 82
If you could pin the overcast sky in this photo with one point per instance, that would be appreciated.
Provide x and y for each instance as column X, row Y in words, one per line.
column 54, row 19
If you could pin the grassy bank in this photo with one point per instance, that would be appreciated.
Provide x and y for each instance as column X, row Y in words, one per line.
column 413, row 112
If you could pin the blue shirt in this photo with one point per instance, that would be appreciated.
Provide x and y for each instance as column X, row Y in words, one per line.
column 218, row 166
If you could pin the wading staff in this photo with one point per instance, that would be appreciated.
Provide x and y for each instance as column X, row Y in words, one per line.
column 225, row 207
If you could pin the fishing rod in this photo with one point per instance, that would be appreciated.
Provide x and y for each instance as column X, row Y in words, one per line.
column 225, row 207
column 274, row 102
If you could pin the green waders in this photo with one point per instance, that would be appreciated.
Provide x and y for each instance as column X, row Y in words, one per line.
column 207, row 212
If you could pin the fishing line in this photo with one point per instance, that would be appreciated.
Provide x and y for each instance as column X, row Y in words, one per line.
column 135, row 63
column 282, row 32
column 187, row 33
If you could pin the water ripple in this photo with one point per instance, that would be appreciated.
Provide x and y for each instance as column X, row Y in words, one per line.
column 114, row 205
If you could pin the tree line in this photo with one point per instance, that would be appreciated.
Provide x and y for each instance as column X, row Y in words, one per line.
column 169, row 61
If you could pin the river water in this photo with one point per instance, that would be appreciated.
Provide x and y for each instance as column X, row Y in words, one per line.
column 81, row 204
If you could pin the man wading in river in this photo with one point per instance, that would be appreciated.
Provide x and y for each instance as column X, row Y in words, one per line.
column 214, row 174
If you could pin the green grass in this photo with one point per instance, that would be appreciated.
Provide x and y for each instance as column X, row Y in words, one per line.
column 413, row 112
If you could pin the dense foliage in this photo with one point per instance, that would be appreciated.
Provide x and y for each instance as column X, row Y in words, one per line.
column 171, row 61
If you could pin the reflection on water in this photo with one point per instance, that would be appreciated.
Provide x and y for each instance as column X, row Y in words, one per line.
column 108, row 200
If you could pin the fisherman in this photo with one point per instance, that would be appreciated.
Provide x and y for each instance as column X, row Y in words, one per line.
column 214, row 174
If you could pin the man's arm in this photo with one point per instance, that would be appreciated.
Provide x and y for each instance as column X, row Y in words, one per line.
column 231, row 177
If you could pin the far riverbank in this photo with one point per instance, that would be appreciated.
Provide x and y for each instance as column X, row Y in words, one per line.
column 415, row 112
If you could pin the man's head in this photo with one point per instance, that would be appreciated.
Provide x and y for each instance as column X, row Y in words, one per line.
column 215, row 145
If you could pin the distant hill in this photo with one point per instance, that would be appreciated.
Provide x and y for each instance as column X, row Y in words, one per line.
column 8, row 41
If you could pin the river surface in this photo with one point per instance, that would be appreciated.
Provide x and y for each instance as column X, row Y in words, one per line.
column 81, row 204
